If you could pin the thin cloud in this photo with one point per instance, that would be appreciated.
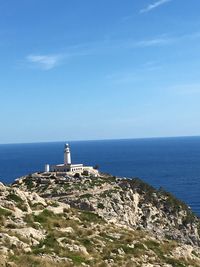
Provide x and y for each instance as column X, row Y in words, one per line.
column 50, row 61
column 155, row 42
column 44, row 62
column 154, row 5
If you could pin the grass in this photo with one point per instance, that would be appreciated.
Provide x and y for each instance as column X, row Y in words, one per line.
column 86, row 196
column 155, row 247
column 113, row 245
column 29, row 219
column 48, row 245
column 51, row 221
column 96, row 182
column 77, row 259
column 102, row 244
column 107, row 236
column 87, row 216
column 175, row 263
column 108, row 193
column 45, row 216
column 47, row 219
column 54, row 204
column 15, row 198
column 37, row 206
column 19, row 202
column 168, row 246
column 5, row 212
column 163, row 249
column 86, row 242
column 102, row 241
column 35, row 261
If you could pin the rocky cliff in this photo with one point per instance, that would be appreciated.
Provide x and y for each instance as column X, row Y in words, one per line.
column 129, row 202
column 53, row 220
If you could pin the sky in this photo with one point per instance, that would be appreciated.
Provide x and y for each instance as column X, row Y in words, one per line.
column 82, row 70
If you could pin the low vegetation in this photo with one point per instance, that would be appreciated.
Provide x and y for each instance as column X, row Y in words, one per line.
column 110, row 222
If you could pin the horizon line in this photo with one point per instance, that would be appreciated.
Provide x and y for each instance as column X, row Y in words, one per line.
column 104, row 139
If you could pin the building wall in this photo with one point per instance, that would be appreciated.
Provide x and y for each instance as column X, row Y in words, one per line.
column 59, row 168
column 66, row 168
column 74, row 168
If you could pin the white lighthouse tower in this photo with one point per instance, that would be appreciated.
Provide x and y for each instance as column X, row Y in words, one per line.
column 68, row 168
column 67, row 155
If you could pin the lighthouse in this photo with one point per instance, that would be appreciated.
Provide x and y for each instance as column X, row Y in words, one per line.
column 68, row 168
column 67, row 155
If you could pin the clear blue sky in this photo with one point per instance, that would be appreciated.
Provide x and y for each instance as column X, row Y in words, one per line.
column 98, row 69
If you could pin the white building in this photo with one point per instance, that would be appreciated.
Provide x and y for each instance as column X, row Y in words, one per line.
column 68, row 167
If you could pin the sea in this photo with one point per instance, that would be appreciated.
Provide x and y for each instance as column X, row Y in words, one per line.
column 171, row 163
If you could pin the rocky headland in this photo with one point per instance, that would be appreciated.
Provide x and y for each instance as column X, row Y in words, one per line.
column 50, row 219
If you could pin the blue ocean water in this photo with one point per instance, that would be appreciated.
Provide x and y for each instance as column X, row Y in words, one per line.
column 173, row 163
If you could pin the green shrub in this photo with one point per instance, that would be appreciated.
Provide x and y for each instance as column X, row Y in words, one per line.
column 25, row 260
column 5, row 212
column 174, row 262
column 153, row 245
column 87, row 216
column 11, row 225
column 15, row 198
column 100, row 206
column 48, row 245
column 77, row 259
column 29, row 183
column 29, row 219
column 44, row 216
column 198, row 229
column 86, row 196
column 108, row 193
column 36, row 206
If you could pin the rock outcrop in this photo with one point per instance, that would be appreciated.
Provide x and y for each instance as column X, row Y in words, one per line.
column 86, row 221
column 128, row 202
